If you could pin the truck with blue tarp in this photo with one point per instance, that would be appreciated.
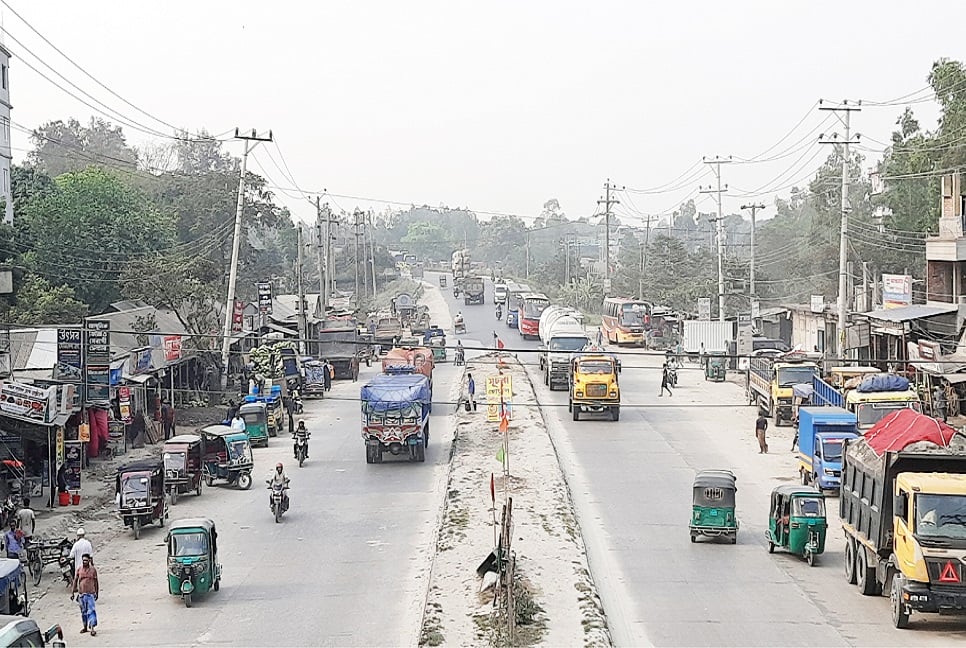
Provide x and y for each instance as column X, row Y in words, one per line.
column 871, row 398
column 395, row 416
column 821, row 434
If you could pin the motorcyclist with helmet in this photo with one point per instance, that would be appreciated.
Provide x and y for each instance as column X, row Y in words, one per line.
column 301, row 432
column 278, row 479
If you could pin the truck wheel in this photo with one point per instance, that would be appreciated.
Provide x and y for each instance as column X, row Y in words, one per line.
column 615, row 413
column 576, row 411
column 426, row 435
column 419, row 453
column 865, row 575
column 850, row 560
column 369, row 459
column 804, row 476
column 570, row 406
column 900, row 613
column 778, row 418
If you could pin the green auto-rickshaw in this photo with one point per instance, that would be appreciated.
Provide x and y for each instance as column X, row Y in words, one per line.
column 714, row 368
column 255, row 416
column 796, row 521
column 193, row 558
column 713, row 505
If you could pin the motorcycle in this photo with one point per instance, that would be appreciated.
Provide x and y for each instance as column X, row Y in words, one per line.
column 499, row 313
column 301, row 448
column 297, row 404
column 672, row 375
column 66, row 564
column 279, row 501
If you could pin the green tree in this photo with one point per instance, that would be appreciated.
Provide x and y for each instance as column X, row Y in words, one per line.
column 63, row 147
column 40, row 302
column 429, row 240
column 89, row 229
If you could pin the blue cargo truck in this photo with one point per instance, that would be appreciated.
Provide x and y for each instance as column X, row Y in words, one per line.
column 821, row 434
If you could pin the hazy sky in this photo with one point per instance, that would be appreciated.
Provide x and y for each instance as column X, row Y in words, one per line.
column 496, row 106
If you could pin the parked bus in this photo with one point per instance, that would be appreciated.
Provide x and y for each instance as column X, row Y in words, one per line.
column 625, row 320
column 531, row 307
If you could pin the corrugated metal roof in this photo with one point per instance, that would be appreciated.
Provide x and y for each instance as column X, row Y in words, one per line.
column 907, row 313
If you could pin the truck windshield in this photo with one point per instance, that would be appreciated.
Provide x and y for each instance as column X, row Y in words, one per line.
column 788, row 376
column 832, row 450
column 595, row 367
column 568, row 344
column 868, row 414
column 941, row 515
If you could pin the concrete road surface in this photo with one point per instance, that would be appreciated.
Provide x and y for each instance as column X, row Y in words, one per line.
column 347, row 566
column 631, row 482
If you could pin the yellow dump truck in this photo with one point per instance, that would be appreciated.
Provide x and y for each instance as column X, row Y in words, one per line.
column 771, row 381
column 593, row 385
column 903, row 513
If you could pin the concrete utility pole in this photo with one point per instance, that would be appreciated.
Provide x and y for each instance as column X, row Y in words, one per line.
column 647, row 239
column 372, row 252
column 716, row 163
column 355, row 232
column 528, row 255
column 847, row 109
column 754, row 207
column 300, row 291
column 607, row 201
column 318, row 249
column 236, row 244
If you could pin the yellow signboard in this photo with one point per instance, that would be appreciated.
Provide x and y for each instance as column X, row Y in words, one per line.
column 498, row 388
column 60, row 447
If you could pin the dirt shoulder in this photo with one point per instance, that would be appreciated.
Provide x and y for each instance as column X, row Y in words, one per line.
column 557, row 602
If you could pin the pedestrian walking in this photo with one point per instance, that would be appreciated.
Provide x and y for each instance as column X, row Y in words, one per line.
column 761, row 427
column 167, row 419
column 939, row 402
column 80, row 547
column 665, row 381
column 328, row 375
column 290, row 411
column 13, row 540
column 600, row 337
column 86, row 588
column 27, row 519
column 471, row 390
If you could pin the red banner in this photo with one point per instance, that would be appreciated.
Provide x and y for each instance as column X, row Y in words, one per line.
column 172, row 347
column 238, row 316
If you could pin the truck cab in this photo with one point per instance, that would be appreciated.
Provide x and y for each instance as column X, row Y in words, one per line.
column 929, row 509
column 872, row 407
column 771, row 382
column 822, row 433
column 500, row 293
column 594, row 386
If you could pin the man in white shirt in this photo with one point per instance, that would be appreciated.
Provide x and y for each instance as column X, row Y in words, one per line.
column 238, row 424
column 81, row 546
column 27, row 519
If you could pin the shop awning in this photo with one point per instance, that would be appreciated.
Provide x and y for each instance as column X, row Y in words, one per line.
column 955, row 378
column 909, row 313
column 139, row 379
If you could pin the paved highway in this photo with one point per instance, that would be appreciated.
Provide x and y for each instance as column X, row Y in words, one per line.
column 347, row 566
column 631, row 482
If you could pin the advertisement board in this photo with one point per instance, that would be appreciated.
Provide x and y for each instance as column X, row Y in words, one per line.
column 896, row 291
column 704, row 308
column 27, row 403
column 499, row 389
column 265, row 298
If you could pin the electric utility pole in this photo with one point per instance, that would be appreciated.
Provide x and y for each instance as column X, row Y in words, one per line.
column 300, row 291
column 846, row 109
column 607, row 201
column 372, row 250
column 754, row 207
column 318, row 249
column 716, row 163
column 355, row 233
column 251, row 141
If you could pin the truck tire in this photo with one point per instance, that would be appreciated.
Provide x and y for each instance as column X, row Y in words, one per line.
column 850, row 560
column 576, row 411
column 900, row 613
column 426, row 435
column 864, row 574
column 615, row 413
column 369, row 459
column 804, row 476
column 419, row 453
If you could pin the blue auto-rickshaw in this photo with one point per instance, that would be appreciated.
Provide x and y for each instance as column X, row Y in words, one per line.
column 228, row 456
